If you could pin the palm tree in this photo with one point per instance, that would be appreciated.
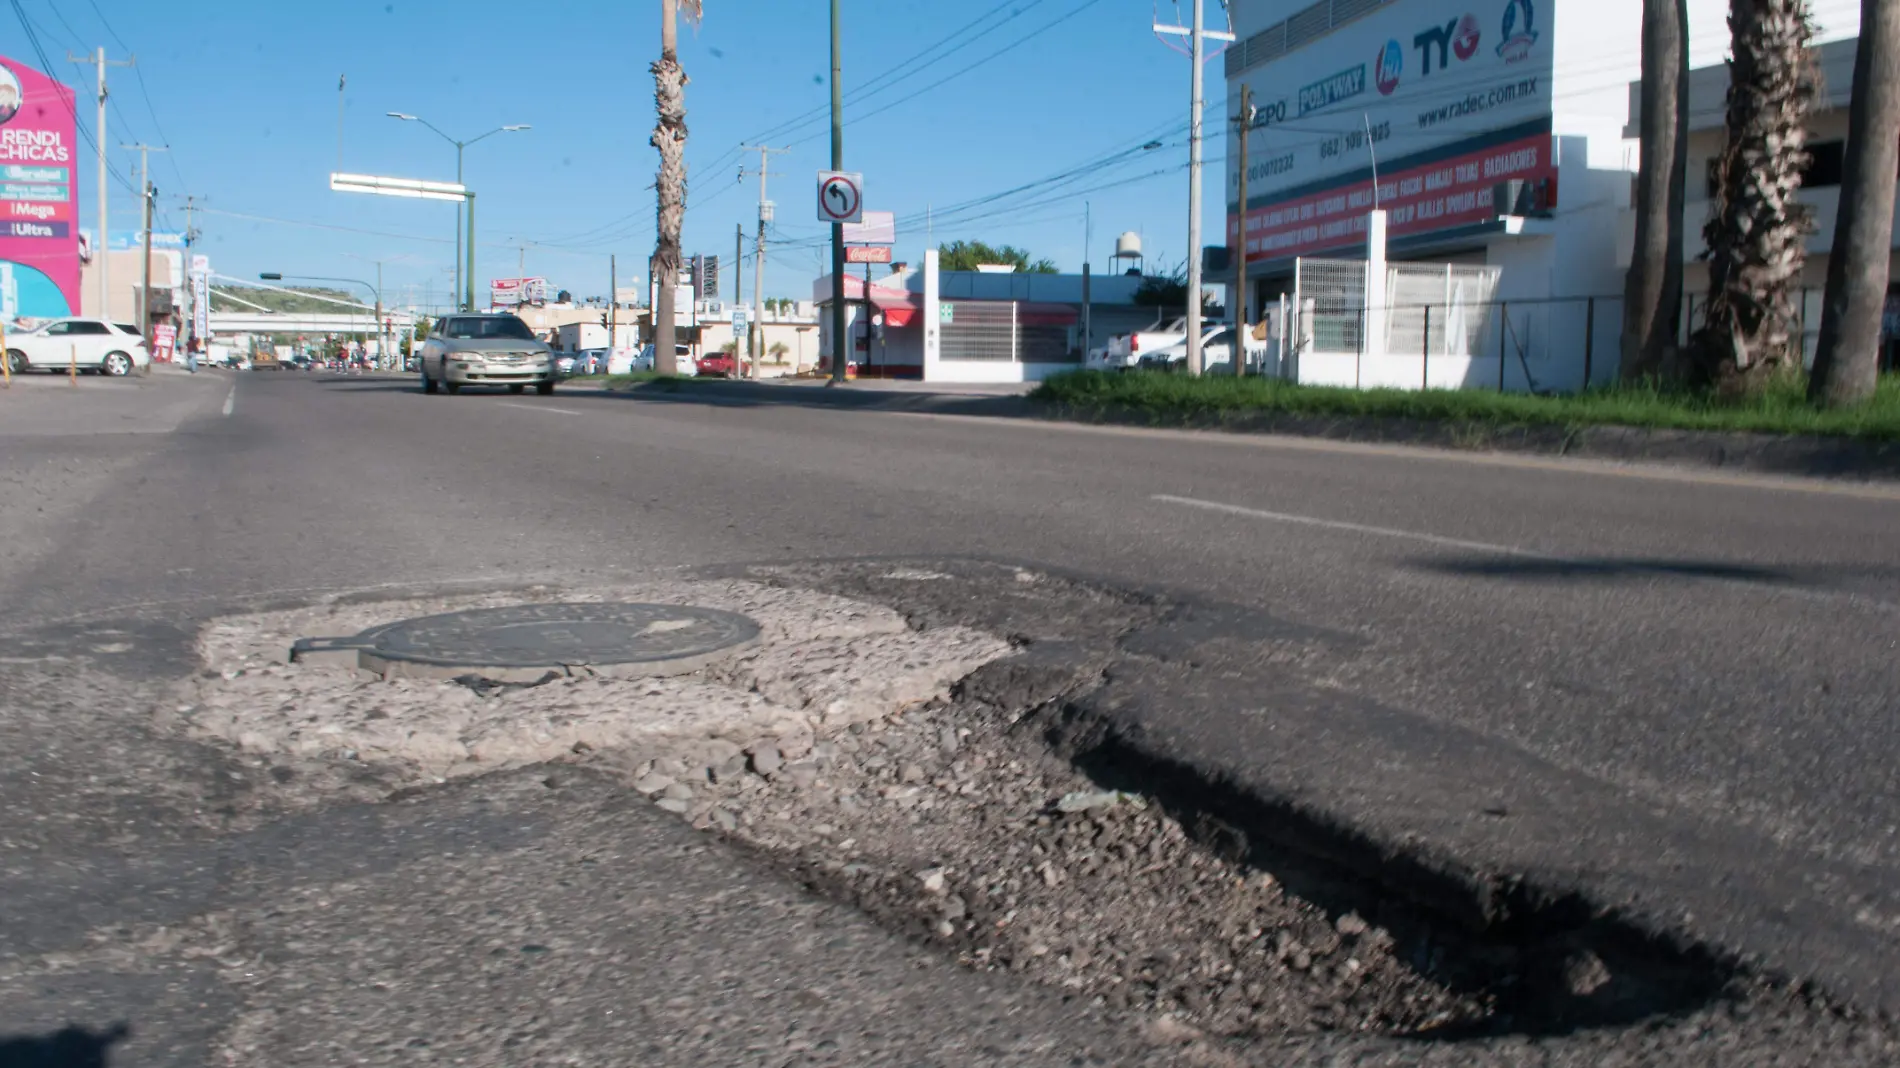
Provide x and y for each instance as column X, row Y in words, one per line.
column 1847, row 357
column 669, row 136
column 1758, row 237
column 1652, row 295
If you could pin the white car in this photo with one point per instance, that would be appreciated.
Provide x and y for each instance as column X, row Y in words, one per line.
column 114, row 349
column 621, row 360
column 1217, row 353
column 688, row 366
column 590, row 362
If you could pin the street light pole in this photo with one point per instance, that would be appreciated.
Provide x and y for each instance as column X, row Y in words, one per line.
column 458, row 219
column 465, row 286
column 468, row 277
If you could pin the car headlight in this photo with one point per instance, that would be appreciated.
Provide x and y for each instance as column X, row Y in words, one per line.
column 468, row 357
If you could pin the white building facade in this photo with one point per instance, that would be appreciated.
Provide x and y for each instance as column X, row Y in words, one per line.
column 1455, row 104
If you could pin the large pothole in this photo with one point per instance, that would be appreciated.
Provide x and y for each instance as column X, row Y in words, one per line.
column 839, row 748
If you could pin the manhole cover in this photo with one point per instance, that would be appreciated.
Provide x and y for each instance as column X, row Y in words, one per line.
column 524, row 642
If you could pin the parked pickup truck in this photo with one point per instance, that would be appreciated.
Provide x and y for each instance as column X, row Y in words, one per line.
column 1125, row 350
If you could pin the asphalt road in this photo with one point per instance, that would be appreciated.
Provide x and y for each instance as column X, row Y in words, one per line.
column 1670, row 691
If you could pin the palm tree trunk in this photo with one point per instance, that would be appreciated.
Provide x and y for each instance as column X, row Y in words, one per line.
column 1758, row 237
column 1847, row 357
column 1652, row 294
column 669, row 136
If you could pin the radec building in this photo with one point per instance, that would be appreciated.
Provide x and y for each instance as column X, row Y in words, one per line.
column 1498, row 131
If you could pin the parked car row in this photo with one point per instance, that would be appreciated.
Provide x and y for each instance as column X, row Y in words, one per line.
column 626, row 361
column 92, row 345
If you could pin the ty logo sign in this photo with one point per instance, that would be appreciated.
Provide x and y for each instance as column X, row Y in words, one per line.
column 1457, row 36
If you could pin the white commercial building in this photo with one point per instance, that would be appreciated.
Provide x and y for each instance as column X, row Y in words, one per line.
column 976, row 326
column 1498, row 133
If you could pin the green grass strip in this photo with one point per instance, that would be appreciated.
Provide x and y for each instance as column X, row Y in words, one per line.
column 1782, row 409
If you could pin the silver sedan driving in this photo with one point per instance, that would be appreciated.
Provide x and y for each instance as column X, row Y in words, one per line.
column 487, row 349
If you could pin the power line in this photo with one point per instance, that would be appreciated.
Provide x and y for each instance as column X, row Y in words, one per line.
column 903, row 69
column 326, row 226
column 39, row 51
column 138, row 73
column 1005, row 50
column 120, row 41
column 883, row 80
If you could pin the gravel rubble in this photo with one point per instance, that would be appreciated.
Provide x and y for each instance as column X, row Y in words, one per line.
column 943, row 823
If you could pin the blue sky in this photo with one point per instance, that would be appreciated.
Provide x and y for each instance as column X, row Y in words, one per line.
column 246, row 96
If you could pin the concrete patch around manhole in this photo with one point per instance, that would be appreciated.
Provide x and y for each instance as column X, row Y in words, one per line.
column 820, row 662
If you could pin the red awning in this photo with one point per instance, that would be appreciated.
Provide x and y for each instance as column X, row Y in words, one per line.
column 900, row 307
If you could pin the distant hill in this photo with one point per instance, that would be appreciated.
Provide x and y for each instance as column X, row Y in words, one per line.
column 278, row 300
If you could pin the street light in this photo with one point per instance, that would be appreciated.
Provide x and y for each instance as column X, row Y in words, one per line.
column 469, row 289
column 382, row 335
column 424, row 190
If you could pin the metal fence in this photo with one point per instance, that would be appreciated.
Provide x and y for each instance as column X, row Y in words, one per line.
column 1003, row 331
column 1420, row 326
column 1532, row 345
column 980, row 330
column 1542, row 345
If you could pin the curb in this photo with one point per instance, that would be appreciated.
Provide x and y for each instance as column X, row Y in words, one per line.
column 1793, row 454
column 1813, row 456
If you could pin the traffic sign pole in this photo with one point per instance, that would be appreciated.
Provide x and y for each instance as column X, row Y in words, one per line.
column 838, row 341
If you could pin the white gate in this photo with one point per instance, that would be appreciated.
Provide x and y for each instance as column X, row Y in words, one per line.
column 1430, row 332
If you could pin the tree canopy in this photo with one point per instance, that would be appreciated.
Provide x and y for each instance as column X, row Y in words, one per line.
column 969, row 255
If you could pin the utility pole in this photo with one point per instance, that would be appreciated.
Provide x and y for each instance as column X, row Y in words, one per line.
column 1240, row 300
column 101, row 246
column 840, row 349
column 382, row 334
column 1197, row 51
column 145, row 187
column 191, row 286
column 613, row 306
column 1088, row 321
column 758, row 256
column 738, row 286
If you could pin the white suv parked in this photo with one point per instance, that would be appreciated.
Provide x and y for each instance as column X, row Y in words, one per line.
column 89, row 344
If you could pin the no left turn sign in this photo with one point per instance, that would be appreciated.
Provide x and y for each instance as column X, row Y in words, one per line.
column 840, row 197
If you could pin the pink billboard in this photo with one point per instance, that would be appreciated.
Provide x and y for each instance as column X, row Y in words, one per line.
column 39, row 196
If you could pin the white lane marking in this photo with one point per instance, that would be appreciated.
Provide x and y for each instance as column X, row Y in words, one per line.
column 1769, row 587
column 1357, row 528
column 230, row 400
column 539, row 408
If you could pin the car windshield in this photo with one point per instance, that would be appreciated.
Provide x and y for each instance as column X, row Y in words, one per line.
column 488, row 326
column 128, row 328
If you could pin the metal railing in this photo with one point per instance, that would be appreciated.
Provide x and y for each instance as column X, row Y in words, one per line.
column 1549, row 345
